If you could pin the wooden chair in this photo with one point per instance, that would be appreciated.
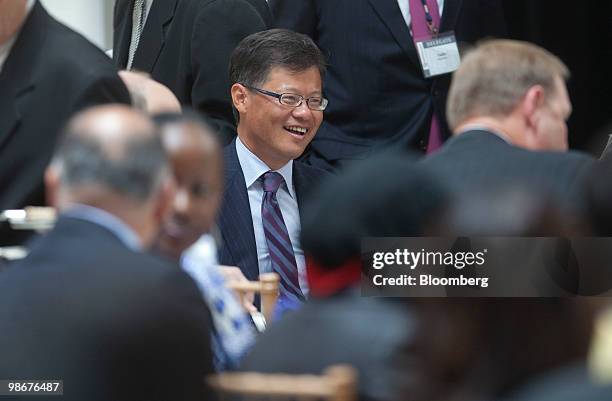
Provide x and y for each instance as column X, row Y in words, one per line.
column 267, row 287
column 337, row 383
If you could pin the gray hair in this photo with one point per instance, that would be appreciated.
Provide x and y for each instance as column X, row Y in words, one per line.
column 136, row 167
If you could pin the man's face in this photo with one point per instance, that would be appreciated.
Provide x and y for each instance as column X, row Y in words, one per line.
column 273, row 131
column 554, row 112
column 12, row 14
column 197, row 167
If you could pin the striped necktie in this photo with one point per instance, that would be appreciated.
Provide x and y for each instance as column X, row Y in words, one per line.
column 138, row 21
column 277, row 238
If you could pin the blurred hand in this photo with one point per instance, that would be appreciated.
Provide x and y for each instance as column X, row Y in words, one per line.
column 234, row 274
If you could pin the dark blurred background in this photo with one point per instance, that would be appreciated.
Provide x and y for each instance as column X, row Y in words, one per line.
column 580, row 33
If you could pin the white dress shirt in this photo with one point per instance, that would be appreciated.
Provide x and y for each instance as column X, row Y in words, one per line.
column 405, row 9
column 252, row 168
column 6, row 47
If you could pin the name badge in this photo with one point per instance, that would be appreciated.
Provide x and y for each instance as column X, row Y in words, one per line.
column 439, row 55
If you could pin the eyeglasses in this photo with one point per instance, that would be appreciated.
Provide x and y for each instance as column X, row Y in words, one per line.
column 316, row 103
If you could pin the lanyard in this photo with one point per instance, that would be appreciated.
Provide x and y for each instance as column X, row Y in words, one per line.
column 429, row 19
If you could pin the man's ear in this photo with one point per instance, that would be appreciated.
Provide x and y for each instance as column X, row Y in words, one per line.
column 532, row 102
column 52, row 186
column 239, row 97
column 531, row 106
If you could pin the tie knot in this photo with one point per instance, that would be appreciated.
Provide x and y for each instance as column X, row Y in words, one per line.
column 272, row 181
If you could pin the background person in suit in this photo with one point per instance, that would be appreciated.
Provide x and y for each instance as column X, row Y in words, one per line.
column 508, row 106
column 186, row 45
column 88, row 305
column 277, row 91
column 376, row 87
column 47, row 72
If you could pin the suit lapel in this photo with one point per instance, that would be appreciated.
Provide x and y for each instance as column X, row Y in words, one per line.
column 122, row 31
column 450, row 13
column 10, row 118
column 17, row 78
column 235, row 220
column 302, row 182
column 160, row 16
column 390, row 14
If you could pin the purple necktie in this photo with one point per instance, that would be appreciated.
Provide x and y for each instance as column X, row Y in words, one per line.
column 277, row 238
column 421, row 31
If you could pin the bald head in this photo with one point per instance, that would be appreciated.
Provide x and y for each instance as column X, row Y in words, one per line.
column 113, row 148
column 149, row 95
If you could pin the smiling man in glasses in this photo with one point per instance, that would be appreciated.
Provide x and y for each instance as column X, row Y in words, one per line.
column 278, row 101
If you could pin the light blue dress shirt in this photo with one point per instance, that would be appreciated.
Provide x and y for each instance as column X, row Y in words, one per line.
column 233, row 333
column 252, row 168
column 100, row 217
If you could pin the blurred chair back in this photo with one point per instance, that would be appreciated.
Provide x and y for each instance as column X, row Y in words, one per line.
column 267, row 287
column 337, row 383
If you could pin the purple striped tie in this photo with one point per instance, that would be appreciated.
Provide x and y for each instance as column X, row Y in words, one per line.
column 421, row 31
column 277, row 238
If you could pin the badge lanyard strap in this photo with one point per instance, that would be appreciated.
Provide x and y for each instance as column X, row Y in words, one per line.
column 429, row 19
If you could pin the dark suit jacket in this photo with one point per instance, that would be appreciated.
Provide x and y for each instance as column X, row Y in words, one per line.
column 235, row 221
column 371, row 334
column 375, row 85
column 111, row 322
column 482, row 161
column 50, row 73
column 186, row 45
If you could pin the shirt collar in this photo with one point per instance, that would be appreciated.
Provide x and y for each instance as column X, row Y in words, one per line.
column 5, row 49
column 253, row 167
column 100, row 217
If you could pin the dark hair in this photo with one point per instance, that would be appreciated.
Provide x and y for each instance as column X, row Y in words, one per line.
column 387, row 195
column 135, row 169
column 258, row 53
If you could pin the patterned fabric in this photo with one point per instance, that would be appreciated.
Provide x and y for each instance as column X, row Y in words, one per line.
column 277, row 238
column 138, row 20
column 233, row 332
column 421, row 31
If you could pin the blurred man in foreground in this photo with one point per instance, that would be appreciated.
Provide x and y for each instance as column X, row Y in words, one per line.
column 87, row 305
column 196, row 160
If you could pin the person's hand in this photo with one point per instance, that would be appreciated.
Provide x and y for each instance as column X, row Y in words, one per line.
column 234, row 274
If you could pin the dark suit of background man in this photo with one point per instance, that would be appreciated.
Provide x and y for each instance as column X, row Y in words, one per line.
column 277, row 92
column 375, row 85
column 47, row 72
column 87, row 305
column 186, row 45
column 508, row 107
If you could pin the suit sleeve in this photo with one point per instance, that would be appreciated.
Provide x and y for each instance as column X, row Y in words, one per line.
column 219, row 27
column 297, row 15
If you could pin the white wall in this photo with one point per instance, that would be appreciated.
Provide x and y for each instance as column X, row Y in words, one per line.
column 91, row 18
